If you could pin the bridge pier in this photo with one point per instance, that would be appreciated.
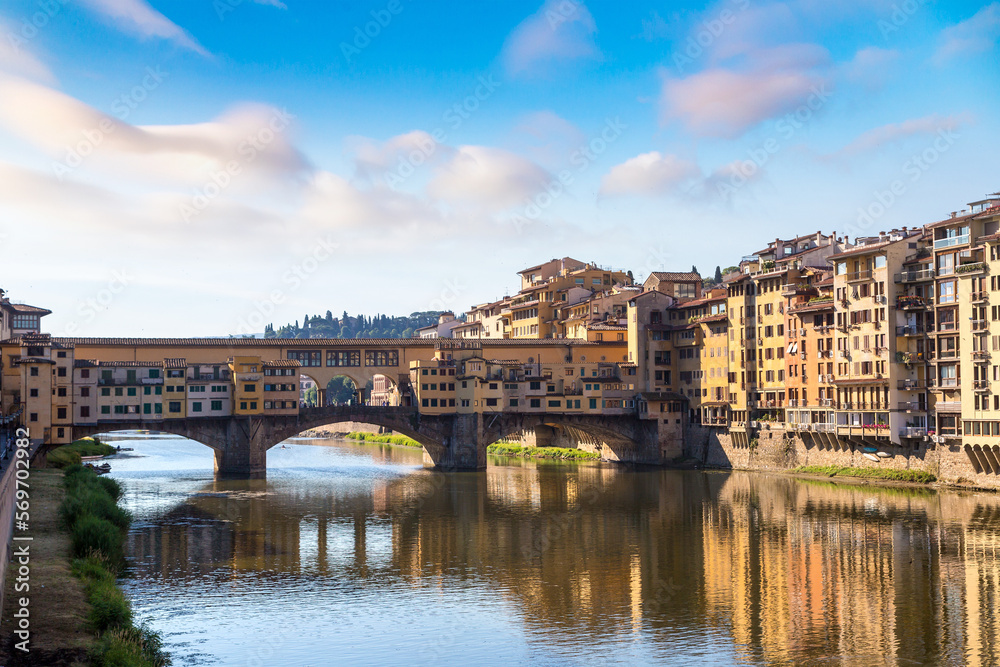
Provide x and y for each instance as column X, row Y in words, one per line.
column 463, row 447
column 242, row 452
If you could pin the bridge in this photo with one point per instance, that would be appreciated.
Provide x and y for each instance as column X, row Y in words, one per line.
column 451, row 442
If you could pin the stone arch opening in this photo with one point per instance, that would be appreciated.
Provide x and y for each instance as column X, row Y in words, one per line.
column 342, row 389
column 544, row 431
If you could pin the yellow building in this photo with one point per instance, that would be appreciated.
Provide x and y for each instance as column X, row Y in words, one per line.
column 248, row 391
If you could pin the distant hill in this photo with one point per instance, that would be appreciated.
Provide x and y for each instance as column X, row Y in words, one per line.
column 358, row 326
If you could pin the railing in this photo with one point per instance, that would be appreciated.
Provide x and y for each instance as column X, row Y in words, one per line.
column 976, row 297
column 910, row 385
column 825, row 427
column 910, row 330
column 971, row 267
column 947, row 382
column 859, row 275
column 914, row 276
column 980, row 385
column 826, row 402
column 911, row 302
column 978, row 325
column 951, row 241
column 980, row 356
column 947, row 326
column 911, row 406
column 913, row 432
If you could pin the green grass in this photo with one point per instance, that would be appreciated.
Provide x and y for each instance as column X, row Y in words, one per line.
column 383, row 438
column 97, row 527
column 509, row 449
column 891, row 474
column 67, row 455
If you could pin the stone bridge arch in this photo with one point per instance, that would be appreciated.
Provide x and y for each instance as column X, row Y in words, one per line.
column 616, row 437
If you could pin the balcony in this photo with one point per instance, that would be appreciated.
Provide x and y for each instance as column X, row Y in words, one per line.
column 971, row 268
column 858, row 276
column 978, row 325
column 914, row 276
column 947, row 383
column 981, row 357
column 947, row 326
column 951, row 241
column 913, row 406
column 913, row 432
column 912, row 303
column 980, row 385
column 911, row 330
column 825, row 428
column 912, row 385
column 979, row 297
column 826, row 403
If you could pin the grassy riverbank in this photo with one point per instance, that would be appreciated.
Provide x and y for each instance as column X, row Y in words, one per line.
column 879, row 474
column 383, row 438
column 97, row 526
column 519, row 451
column 60, row 457
column 496, row 449
column 57, row 604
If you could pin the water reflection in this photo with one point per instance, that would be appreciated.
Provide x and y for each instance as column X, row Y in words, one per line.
column 564, row 563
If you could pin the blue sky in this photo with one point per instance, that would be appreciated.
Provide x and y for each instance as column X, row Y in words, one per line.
column 181, row 168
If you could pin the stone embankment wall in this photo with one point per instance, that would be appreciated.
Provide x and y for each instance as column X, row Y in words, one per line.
column 774, row 449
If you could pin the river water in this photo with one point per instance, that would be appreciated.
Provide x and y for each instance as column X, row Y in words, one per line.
column 356, row 554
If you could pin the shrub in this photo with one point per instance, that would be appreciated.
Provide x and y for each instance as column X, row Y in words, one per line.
column 108, row 607
column 62, row 457
column 92, row 568
column 95, row 501
column 91, row 534
column 130, row 647
column 113, row 488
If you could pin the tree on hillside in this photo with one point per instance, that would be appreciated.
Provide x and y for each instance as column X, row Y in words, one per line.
column 718, row 275
column 694, row 269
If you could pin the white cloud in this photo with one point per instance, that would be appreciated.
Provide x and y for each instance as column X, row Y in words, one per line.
column 139, row 18
column 561, row 30
column 548, row 138
column 15, row 58
column 649, row 174
column 489, row 178
column 255, row 136
column 871, row 67
column 892, row 133
column 976, row 34
column 373, row 159
column 724, row 103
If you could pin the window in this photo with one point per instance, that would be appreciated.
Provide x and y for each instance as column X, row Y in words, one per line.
column 196, row 406
column 132, row 391
column 154, row 373
column 216, row 405
column 105, row 391
column 33, row 393
column 306, row 357
column 119, row 391
column 174, row 406
column 33, row 372
column 106, row 410
column 85, row 411
column 344, row 358
column 60, row 413
column 381, row 358
column 536, row 402
column 249, row 388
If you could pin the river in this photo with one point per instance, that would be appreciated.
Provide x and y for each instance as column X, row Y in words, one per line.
column 357, row 554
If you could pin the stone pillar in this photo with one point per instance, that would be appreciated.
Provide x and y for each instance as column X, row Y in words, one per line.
column 464, row 446
column 243, row 454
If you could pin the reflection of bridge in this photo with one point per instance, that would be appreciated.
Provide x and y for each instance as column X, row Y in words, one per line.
column 451, row 441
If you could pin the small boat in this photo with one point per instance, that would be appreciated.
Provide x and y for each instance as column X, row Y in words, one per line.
column 870, row 450
column 102, row 469
column 124, row 449
column 92, row 458
column 871, row 457
column 884, row 455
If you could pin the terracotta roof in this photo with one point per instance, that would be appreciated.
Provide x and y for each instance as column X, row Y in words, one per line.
column 860, row 250
column 674, row 275
column 813, row 307
column 601, row 326
column 282, row 363
column 504, row 362
column 25, row 308
column 721, row 317
column 175, row 362
column 130, row 364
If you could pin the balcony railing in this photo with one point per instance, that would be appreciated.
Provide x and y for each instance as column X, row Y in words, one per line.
column 971, row 267
column 913, row 432
column 978, row 325
column 913, row 406
column 912, row 302
column 911, row 385
column 977, row 297
column 825, row 428
column 980, row 385
column 980, row 356
column 947, row 383
column 914, row 276
column 910, row 330
column 947, row 326
column 951, row 241
column 859, row 275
